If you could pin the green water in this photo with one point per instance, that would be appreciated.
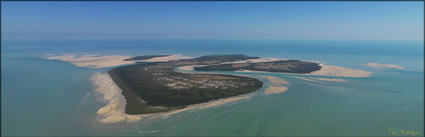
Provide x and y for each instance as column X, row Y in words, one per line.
column 48, row 97
column 306, row 109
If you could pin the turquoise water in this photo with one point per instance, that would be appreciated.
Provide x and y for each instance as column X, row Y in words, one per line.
column 50, row 97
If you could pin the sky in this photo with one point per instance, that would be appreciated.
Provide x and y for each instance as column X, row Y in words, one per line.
column 213, row 20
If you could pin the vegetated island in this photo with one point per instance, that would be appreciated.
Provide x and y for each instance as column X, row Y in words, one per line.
column 144, row 57
column 286, row 66
column 152, row 87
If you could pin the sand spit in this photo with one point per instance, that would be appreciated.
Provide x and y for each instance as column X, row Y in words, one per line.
column 276, row 80
column 277, row 85
column 166, row 58
column 267, row 59
column 384, row 66
column 110, row 93
column 114, row 111
column 331, row 79
column 93, row 61
column 190, row 67
column 320, row 80
column 328, row 70
column 307, row 79
column 275, row 89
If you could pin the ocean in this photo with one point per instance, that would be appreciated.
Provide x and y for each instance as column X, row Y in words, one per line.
column 41, row 97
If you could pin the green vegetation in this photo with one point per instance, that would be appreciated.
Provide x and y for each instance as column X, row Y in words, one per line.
column 151, row 87
column 287, row 66
column 144, row 57
column 156, row 87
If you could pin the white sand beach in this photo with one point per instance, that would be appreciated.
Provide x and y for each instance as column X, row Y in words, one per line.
column 114, row 110
column 110, row 93
column 166, row 58
column 275, row 89
column 328, row 70
column 384, row 66
column 277, row 85
column 93, row 61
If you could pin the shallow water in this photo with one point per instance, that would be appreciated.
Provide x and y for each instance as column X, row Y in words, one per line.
column 51, row 97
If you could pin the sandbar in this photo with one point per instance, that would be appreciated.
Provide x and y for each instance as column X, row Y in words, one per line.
column 166, row 58
column 93, row 61
column 268, row 59
column 276, row 85
column 306, row 79
column 331, row 79
column 384, row 66
column 325, row 70
column 110, row 93
column 275, row 89
column 328, row 70
column 276, row 80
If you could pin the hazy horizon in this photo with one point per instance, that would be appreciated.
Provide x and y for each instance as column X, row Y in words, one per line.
column 212, row 20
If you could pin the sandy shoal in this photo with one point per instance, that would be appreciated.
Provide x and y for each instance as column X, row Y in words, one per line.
column 306, row 79
column 93, row 61
column 277, row 85
column 166, row 58
column 267, row 59
column 276, row 80
column 332, row 79
column 275, row 89
column 328, row 70
column 384, row 66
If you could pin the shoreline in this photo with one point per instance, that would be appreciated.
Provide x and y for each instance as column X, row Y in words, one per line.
column 112, row 94
column 114, row 110
column 98, row 61
column 91, row 60
column 277, row 84
column 105, row 61
column 326, row 70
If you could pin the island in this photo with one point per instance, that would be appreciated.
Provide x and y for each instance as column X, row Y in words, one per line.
column 144, row 57
column 286, row 66
column 152, row 87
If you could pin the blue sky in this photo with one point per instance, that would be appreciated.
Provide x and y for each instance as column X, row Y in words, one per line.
column 213, row 20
